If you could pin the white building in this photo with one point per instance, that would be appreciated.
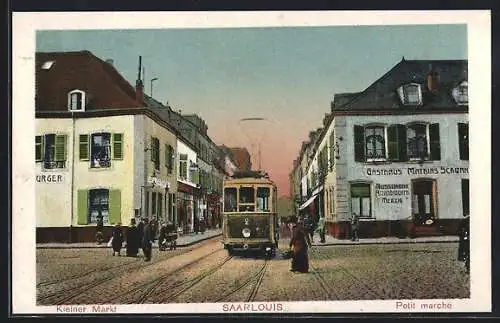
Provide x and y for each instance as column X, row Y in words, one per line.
column 188, row 196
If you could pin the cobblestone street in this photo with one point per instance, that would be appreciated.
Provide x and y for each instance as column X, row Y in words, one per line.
column 206, row 273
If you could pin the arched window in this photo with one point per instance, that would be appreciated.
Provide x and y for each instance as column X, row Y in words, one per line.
column 410, row 94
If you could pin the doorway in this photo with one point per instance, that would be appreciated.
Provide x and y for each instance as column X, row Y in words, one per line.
column 424, row 202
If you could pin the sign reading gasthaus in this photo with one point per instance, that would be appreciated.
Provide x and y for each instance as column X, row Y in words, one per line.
column 440, row 170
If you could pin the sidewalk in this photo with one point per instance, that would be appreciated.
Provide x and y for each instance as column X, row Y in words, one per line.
column 330, row 241
column 183, row 241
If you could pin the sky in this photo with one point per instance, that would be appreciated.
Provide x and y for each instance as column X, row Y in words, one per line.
column 286, row 75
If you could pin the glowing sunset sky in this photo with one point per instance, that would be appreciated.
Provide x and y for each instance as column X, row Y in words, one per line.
column 287, row 75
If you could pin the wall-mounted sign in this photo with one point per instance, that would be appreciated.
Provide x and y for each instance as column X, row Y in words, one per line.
column 438, row 170
column 392, row 193
column 158, row 182
column 50, row 178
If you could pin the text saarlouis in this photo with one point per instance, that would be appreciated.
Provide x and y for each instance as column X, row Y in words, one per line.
column 253, row 307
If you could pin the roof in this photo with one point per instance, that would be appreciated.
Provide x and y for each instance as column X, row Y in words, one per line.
column 382, row 94
column 104, row 86
column 241, row 157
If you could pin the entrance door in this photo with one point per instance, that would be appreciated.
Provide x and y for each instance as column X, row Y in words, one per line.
column 424, row 202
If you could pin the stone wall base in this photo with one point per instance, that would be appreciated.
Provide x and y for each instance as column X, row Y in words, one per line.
column 402, row 229
column 72, row 235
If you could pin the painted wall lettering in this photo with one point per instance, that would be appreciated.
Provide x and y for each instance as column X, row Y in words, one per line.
column 439, row 170
column 392, row 193
column 49, row 178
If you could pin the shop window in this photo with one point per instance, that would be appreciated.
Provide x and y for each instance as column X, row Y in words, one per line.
column 153, row 204
column 247, row 199
column 361, row 199
column 51, row 150
column 98, row 204
column 160, row 207
column 230, row 199
column 183, row 166
column 424, row 202
column 465, row 197
column 463, row 141
column 263, row 194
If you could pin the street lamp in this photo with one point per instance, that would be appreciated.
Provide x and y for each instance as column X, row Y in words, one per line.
column 152, row 80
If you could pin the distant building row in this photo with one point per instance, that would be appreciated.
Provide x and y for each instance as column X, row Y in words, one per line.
column 104, row 147
column 395, row 154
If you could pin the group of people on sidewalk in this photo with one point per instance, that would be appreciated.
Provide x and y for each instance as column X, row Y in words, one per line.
column 139, row 236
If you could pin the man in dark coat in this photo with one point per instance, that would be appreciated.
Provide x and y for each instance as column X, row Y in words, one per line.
column 300, row 243
column 117, row 239
column 464, row 242
column 147, row 240
column 133, row 241
column 99, row 228
column 140, row 231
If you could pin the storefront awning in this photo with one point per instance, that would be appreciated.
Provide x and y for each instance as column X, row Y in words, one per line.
column 306, row 203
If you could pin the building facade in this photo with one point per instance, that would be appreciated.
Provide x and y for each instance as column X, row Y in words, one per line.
column 398, row 153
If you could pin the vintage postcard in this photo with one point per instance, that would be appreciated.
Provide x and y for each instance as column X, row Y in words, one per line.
column 251, row 162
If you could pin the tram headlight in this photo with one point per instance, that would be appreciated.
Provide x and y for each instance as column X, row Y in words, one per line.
column 246, row 232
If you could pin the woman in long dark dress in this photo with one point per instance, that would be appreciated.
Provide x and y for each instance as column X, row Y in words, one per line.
column 132, row 240
column 117, row 239
column 300, row 243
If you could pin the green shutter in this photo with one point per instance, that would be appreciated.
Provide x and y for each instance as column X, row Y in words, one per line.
column 434, row 141
column 195, row 177
column 115, row 206
column 61, row 151
column 117, row 146
column 38, row 148
column 392, row 142
column 359, row 144
column 83, row 207
column 84, row 147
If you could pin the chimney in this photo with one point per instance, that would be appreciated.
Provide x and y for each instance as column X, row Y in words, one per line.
column 433, row 81
column 110, row 61
column 139, row 87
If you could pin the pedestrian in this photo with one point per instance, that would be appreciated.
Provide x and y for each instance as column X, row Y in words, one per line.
column 133, row 241
column 99, row 228
column 162, row 238
column 321, row 229
column 299, row 244
column 140, row 230
column 354, row 227
column 147, row 240
column 117, row 239
column 464, row 242
column 309, row 226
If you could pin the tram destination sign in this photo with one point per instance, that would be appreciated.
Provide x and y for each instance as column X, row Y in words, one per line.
column 438, row 170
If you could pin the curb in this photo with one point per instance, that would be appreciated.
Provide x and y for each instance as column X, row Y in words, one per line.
column 70, row 246
column 382, row 243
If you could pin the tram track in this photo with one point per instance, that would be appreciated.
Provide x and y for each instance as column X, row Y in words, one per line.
column 257, row 278
column 73, row 292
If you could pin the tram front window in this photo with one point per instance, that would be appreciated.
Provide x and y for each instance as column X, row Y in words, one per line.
column 247, row 199
column 230, row 199
column 263, row 199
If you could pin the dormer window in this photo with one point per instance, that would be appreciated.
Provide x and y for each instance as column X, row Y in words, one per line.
column 410, row 94
column 76, row 100
column 461, row 93
column 47, row 65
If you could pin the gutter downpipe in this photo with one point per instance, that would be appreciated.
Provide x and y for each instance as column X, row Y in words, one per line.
column 72, row 178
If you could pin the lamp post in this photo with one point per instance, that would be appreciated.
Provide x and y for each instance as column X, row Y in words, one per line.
column 152, row 80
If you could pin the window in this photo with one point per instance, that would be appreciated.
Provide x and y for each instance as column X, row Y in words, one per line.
column 247, row 199
column 463, row 141
column 361, row 200
column 465, row 197
column 155, row 152
column 424, row 202
column 375, row 142
column 230, row 204
column 100, row 150
column 98, row 204
column 410, row 94
column 169, row 158
column 461, row 93
column 76, row 100
column 51, row 149
column 263, row 194
column 183, row 166
column 417, row 141
column 153, row 204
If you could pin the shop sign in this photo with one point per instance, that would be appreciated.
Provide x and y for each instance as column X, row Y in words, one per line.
column 391, row 193
column 158, row 182
column 49, row 178
column 438, row 170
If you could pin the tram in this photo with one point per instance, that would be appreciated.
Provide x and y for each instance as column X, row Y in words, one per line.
column 250, row 213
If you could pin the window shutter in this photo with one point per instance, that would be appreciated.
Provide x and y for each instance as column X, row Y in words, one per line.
column 401, row 134
column 61, row 151
column 434, row 141
column 117, row 146
column 158, row 153
column 359, row 144
column 38, row 148
column 463, row 143
column 195, row 177
column 84, row 147
column 167, row 157
column 83, row 207
column 115, row 206
column 393, row 143
column 152, row 147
